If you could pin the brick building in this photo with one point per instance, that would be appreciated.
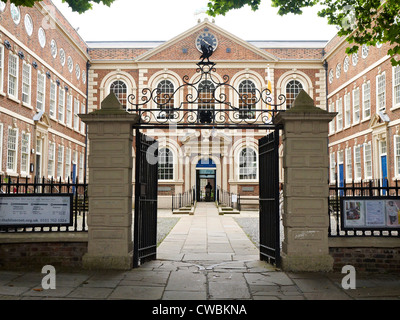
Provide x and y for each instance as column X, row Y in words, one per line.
column 364, row 89
column 43, row 85
column 48, row 75
column 190, row 158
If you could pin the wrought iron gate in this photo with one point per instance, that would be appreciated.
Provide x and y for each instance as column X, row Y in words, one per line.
column 197, row 110
column 269, row 198
column 146, row 184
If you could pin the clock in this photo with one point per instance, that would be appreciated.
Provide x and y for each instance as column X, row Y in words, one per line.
column 206, row 38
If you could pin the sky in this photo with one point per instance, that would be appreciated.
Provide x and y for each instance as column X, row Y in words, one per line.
column 162, row 20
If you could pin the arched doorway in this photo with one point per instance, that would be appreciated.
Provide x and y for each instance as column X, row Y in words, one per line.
column 206, row 176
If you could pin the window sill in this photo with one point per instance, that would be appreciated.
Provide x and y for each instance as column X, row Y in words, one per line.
column 12, row 174
column 26, row 105
column 14, row 99
column 395, row 107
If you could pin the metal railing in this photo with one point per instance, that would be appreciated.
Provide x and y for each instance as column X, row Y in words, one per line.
column 226, row 198
column 183, row 199
column 363, row 190
column 42, row 186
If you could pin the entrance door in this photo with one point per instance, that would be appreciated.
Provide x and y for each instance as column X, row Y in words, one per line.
column 269, row 198
column 146, row 188
column 206, row 173
column 206, row 185
column 341, row 178
column 38, row 171
column 384, row 173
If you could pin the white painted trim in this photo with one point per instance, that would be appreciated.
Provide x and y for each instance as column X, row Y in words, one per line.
column 344, row 85
column 40, row 60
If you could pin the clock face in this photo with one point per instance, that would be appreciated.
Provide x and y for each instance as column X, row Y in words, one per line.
column 207, row 39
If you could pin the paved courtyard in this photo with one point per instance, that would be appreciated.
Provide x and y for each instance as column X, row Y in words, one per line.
column 205, row 257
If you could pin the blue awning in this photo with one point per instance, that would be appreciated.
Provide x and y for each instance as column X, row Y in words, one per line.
column 206, row 163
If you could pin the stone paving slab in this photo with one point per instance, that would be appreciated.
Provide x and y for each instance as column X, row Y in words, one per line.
column 195, row 263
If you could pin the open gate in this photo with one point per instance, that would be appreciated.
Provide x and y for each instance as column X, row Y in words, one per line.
column 269, row 198
column 146, row 184
column 157, row 110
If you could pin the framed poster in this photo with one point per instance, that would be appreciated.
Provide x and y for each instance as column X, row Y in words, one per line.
column 370, row 213
column 353, row 213
column 375, row 213
column 393, row 213
column 33, row 210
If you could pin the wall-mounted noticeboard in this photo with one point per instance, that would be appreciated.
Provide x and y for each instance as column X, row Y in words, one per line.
column 370, row 213
column 33, row 210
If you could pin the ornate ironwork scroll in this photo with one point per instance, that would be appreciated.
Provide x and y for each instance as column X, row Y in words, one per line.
column 206, row 104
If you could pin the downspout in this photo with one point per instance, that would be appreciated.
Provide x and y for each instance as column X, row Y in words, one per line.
column 87, row 111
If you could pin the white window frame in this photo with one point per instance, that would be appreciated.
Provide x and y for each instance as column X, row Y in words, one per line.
column 60, row 162
column 349, row 165
column 25, row 150
column 61, row 106
column 356, row 106
column 13, row 76
column 53, row 100
column 332, row 166
column 357, row 165
column 240, row 162
column 366, row 100
column 339, row 117
column 396, row 87
column 332, row 124
column 396, row 154
column 162, row 163
column 68, row 162
column 41, row 92
column 76, row 112
column 347, row 110
column 12, row 170
column 381, row 92
column 68, row 113
column 26, row 83
column 368, row 163
column 81, row 166
column 51, row 159
column 83, row 111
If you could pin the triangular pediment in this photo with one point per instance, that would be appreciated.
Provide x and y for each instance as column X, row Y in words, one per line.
column 378, row 120
column 229, row 47
column 43, row 119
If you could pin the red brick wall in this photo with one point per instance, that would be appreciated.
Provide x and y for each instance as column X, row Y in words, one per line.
column 61, row 255
column 367, row 259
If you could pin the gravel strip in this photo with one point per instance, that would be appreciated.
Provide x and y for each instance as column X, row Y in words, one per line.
column 164, row 227
column 250, row 226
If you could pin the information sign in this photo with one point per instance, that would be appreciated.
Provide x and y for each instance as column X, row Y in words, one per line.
column 25, row 210
column 370, row 213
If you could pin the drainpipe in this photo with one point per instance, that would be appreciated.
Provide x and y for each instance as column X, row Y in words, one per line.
column 87, row 111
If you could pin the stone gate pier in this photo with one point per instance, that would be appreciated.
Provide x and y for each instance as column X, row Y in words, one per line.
column 306, row 188
column 110, row 165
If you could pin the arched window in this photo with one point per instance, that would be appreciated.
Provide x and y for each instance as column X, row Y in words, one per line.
column 206, row 101
column 165, row 164
column 206, row 95
column 120, row 90
column 248, row 164
column 293, row 88
column 247, row 99
column 165, row 99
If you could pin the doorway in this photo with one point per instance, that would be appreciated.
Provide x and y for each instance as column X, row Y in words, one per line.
column 205, row 185
column 206, row 178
